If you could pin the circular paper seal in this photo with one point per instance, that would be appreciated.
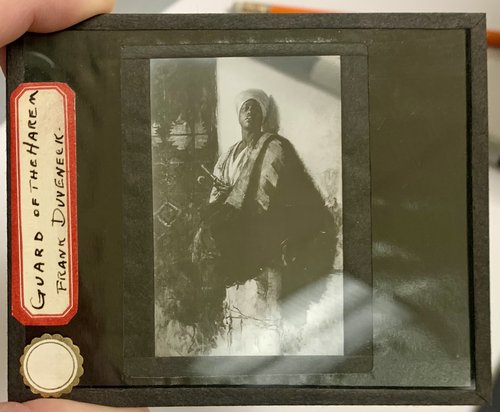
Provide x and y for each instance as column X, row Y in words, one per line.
column 51, row 365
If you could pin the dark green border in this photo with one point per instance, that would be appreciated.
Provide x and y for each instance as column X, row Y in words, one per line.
column 475, row 27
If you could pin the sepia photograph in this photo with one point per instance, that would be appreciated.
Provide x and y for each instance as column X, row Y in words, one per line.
column 247, row 206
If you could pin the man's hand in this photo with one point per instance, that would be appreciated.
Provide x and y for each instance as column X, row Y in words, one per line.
column 44, row 16
column 222, row 187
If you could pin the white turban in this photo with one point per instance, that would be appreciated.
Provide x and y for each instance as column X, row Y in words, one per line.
column 256, row 94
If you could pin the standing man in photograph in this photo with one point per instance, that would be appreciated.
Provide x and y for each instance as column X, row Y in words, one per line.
column 266, row 234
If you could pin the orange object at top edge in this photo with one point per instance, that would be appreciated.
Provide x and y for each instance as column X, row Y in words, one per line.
column 493, row 38
column 282, row 9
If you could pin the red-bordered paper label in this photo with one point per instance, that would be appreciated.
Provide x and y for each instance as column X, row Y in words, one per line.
column 44, row 244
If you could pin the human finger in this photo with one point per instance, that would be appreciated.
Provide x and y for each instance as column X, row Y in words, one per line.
column 43, row 16
column 61, row 405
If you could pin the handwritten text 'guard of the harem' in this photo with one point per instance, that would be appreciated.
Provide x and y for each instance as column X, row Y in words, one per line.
column 43, row 139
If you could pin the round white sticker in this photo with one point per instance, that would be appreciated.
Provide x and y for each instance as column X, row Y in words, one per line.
column 51, row 365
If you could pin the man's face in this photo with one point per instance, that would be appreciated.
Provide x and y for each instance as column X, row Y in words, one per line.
column 250, row 116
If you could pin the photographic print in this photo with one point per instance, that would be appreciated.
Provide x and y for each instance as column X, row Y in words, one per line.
column 247, row 206
column 272, row 209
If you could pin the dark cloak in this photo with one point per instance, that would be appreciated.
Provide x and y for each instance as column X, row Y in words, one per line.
column 273, row 217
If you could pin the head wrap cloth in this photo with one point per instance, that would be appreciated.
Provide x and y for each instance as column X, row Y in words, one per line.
column 256, row 94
